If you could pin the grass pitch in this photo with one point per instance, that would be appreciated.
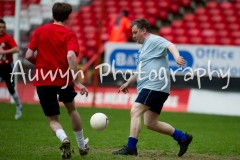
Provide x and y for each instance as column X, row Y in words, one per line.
column 214, row 137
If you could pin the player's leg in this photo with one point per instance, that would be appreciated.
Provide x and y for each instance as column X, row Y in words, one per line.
column 49, row 102
column 137, row 111
column 67, row 97
column 6, row 76
column 152, row 123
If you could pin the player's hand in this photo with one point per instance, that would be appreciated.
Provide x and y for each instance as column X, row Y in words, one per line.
column 124, row 88
column 181, row 61
column 82, row 88
column 1, row 51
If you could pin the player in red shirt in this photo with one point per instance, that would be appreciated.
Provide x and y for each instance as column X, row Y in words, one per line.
column 57, row 49
column 7, row 47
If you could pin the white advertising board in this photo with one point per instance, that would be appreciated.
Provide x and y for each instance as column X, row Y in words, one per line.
column 222, row 59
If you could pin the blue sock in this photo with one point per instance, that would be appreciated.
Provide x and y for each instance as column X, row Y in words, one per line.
column 178, row 135
column 132, row 142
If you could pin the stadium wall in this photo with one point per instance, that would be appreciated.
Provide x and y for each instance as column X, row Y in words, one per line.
column 180, row 100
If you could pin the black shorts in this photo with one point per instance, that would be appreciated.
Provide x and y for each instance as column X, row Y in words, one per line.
column 48, row 96
column 152, row 99
column 5, row 75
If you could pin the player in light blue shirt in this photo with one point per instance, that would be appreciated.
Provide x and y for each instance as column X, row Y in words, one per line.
column 153, row 85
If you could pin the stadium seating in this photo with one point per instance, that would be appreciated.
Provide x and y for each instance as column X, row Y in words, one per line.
column 216, row 23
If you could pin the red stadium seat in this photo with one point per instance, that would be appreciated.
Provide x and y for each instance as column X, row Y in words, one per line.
column 164, row 5
column 178, row 24
column 170, row 38
column 201, row 11
column 151, row 4
column 237, row 6
column 112, row 10
column 89, row 29
column 194, row 32
column 185, row 3
column 235, row 34
column 233, row 27
column 211, row 40
column 137, row 4
column 91, row 35
column 226, row 5
column 232, row 19
column 152, row 20
column 34, row 1
column 206, row 25
column 203, row 18
column 165, row 31
column 217, row 19
column 89, row 22
column 214, row 11
column 220, row 26
column 196, row 40
column 91, row 43
column 152, row 11
column 228, row 13
column 212, row 4
column 208, row 33
column 182, row 40
column 174, row 8
column 190, row 24
column 226, row 41
column 237, row 41
column 163, row 14
column 111, row 3
column 90, row 52
column 189, row 17
column 223, row 33
column 179, row 32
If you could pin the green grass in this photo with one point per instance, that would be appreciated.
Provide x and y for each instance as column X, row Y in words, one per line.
column 30, row 138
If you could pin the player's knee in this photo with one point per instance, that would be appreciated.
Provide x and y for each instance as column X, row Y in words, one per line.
column 149, row 124
column 135, row 112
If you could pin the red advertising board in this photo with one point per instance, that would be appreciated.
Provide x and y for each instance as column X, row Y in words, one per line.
column 106, row 97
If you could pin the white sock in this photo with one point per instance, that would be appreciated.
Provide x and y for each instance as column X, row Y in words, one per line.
column 80, row 139
column 16, row 99
column 61, row 134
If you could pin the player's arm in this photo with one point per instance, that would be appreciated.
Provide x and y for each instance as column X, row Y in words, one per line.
column 179, row 59
column 124, row 87
column 9, row 51
column 72, row 62
column 132, row 80
column 30, row 56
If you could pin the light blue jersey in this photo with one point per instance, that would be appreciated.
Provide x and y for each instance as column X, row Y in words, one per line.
column 153, row 61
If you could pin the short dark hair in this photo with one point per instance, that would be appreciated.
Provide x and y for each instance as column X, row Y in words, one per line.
column 2, row 21
column 61, row 11
column 141, row 24
column 125, row 12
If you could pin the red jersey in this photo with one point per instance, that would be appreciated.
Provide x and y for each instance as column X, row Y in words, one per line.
column 6, row 42
column 52, row 43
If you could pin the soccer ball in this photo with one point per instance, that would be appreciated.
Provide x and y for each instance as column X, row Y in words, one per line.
column 99, row 121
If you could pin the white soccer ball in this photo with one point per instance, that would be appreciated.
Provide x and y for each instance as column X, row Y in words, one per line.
column 99, row 121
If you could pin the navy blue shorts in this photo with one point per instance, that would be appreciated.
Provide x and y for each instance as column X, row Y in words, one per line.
column 152, row 99
column 49, row 100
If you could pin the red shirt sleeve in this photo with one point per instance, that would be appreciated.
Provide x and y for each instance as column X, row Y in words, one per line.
column 11, row 42
column 72, row 44
column 33, row 43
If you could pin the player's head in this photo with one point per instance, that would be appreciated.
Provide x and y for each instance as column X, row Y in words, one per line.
column 140, row 29
column 61, row 11
column 2, row 27
column 125, row 13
